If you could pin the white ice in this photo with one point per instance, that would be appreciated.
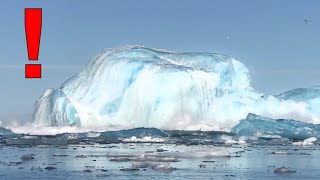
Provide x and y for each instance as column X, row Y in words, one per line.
column 135, row 86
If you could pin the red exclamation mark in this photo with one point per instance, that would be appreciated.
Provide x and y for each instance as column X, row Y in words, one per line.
column 33, row 26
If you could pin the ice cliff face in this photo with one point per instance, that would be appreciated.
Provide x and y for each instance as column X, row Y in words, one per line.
column 141, row 87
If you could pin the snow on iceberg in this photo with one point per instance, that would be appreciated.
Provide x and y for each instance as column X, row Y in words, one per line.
column 135, row 86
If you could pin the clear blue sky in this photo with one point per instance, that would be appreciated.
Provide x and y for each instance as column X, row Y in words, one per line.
column 270, row 37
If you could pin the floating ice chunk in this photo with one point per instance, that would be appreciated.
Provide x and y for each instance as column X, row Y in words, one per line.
column 102, row 175
column 170, row 156
column 129, row 169
column 121, row 155
column 146, row 164
column 231, row 141
column 151, row 158
column 50, row 168
column 164, row 167
column 93, row 134
column 27, row 157
column 144, row 157
column 282, row 152
column 306, row 142
column 283, row 170
column 144, row 139
column 121, row 159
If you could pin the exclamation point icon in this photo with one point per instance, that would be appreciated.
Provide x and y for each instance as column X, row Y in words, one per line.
column 33, row 26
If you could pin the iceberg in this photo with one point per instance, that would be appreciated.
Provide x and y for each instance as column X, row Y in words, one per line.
column 4, row 132
column 307, row 142
column 135, row 86
column 255, row 125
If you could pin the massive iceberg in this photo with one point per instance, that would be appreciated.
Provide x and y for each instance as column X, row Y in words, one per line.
column 135, row 86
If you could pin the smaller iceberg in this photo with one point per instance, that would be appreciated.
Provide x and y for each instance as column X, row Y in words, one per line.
column 306, row 142
column 4, row 131
column 255, row 125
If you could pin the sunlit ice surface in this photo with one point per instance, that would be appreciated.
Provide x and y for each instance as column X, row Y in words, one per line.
column 135, row 86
